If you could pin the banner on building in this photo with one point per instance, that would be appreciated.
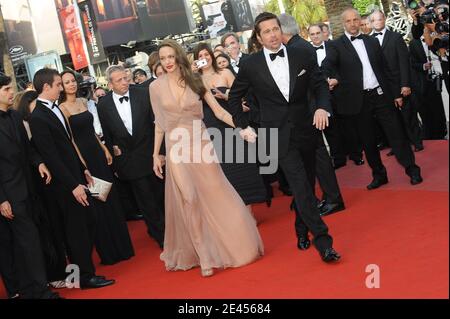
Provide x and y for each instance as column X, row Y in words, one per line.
column 74, row 38
column 91, row 33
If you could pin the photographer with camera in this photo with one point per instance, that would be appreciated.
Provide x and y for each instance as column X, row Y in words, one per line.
column 431, row 20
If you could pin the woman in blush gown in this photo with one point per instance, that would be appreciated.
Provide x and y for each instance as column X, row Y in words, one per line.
column 207, row 223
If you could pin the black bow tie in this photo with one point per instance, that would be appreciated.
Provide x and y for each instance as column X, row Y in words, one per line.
column 280, row 53
column 54, row 105
column 375, row 34
column 319, row 47
column 126, row 98
column 357, row 37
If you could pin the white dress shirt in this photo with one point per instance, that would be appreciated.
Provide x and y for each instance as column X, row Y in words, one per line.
column 370, row 79
column 380, row 37
column 92, row 107
column 321, row 53
column 279, row 68
column 55, row 111
column 124, row 110
column 235, row 63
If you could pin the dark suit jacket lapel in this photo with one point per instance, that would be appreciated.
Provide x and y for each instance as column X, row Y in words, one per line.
column 386, row 39
column 292, row 72
column 370, row 52
column 135, row 114
column 266, row 75
column 53, row 116
column 348, row 44
column 115, row 117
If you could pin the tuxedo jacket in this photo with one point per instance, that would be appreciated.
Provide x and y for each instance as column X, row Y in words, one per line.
column 136, row 160
column 343, row 59
column 274, row 110
column 418, row 58
column 397, row 57
column 54, row 144
column 15, row 158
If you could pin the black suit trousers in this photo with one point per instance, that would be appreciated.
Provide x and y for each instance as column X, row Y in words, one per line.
column 410, row 121
column 299, row 168
column 326, row 174
column 28, row 261
column 376, row 107
column 79, row 229
column 149, row 194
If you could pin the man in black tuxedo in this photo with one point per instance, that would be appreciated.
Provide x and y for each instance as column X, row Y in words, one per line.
column 332, row 199
column 430, row 104
column 128, row 126
column 367, row 90
column 53, row 140
column 280, row 78
column 397, row 56
column 21, row 258
column 230, row 41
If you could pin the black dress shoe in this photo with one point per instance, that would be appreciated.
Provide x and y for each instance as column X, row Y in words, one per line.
column 330, row 255
column 320, row 204
column 416, row 179
column 418, row 148
column 286, row 190
column 391, row 153
column 358, row 161
column 337, row 165
column 377, row 182
column 331, row 208
column 133, row 217
column 303, row 243
column 96, row 282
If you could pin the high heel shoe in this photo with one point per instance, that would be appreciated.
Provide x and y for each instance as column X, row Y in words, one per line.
column 207, row 272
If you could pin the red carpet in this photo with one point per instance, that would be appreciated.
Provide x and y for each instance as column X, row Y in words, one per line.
column 401, row 228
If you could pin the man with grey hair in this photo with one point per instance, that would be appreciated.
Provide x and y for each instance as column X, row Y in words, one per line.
column 230, row 41
column 128, row 127
column 367, row 92
column 332, row 198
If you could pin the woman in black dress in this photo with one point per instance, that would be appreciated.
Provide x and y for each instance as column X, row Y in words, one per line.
column 245, row 176
column 112, row 239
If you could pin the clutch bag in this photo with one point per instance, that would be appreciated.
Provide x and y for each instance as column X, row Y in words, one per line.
column 100, row 190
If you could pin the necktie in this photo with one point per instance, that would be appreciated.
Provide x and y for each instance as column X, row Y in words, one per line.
column 375, row 34
column 357, row 37
column 126, row 98
column 319, row 47
column 280, row 53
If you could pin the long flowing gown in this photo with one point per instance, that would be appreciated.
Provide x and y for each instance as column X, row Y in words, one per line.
column 207, row 223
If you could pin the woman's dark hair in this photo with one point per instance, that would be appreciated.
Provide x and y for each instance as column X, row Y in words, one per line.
column 23, row 105
column 204, row 46
column 42, row 77
column 63, row 95
column 194, row 81
column 265, row 16
column 253, row 43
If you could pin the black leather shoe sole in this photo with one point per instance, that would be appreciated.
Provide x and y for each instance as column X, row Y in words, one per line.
column 329, row 209
column 303, row 243
column 377, row 184
column 415, row 180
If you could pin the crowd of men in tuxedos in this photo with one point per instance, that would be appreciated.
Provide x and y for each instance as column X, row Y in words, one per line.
column 360, row 91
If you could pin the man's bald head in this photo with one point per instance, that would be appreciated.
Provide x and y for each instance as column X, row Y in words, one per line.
column 351, row 20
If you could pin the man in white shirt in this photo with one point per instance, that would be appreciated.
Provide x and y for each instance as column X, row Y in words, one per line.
column 230, row 41
column 128, row 127
column 367, row 91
